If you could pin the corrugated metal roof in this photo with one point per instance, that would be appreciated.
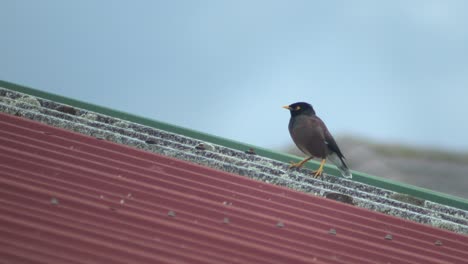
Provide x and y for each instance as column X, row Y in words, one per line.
column 70, row 198
column 79, row 194
column 393, row 186
column 230, row 160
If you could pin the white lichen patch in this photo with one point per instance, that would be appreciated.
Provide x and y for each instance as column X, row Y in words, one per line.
column 122, row 124
column 90, row 116
column 26, row 99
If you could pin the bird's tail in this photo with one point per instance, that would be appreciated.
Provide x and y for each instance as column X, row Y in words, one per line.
column 341, row 165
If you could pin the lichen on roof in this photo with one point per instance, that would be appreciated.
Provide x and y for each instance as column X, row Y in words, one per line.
column 245, row 163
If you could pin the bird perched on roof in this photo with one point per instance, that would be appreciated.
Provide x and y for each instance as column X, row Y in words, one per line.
column 311, row 136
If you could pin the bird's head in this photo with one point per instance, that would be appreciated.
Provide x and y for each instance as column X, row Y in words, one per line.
column 300, row 108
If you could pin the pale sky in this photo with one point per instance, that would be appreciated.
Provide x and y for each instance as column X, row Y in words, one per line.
column 390, row 70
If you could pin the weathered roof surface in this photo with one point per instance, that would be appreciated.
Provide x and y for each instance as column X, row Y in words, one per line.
column 360, row 177
column 231, row 160
column 70, row 198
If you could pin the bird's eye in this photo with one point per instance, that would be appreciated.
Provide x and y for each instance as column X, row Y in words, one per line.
column 297, row 108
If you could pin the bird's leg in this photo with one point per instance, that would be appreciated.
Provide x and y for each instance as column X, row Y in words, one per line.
column 319, row 172
column 299, row 164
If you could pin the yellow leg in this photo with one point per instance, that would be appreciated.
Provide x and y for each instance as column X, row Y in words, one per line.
column 299, row 164
column 319, row 172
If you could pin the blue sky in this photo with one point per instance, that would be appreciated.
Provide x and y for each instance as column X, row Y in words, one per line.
column 392, row 71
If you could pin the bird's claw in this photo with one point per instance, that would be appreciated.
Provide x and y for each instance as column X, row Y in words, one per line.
column 317, row 173
column 293, row 164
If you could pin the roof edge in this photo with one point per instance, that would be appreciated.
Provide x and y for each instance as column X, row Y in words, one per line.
column 395, row 186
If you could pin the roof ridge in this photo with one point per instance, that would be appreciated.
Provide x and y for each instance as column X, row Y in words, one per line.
column 227, row 159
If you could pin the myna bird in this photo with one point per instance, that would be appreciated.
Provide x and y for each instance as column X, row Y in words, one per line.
column 311, row 136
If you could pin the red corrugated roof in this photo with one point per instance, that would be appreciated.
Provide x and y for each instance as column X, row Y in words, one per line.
column 70, row 198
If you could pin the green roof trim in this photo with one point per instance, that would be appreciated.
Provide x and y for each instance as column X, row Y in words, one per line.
column 399, row 187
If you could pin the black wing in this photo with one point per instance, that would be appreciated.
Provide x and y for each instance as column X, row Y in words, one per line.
column 330, row 141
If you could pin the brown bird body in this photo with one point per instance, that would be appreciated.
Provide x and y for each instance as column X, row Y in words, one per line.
column 305, row 131
column 311, row 136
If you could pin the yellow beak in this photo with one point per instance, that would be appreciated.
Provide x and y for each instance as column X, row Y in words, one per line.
column 287, row 107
